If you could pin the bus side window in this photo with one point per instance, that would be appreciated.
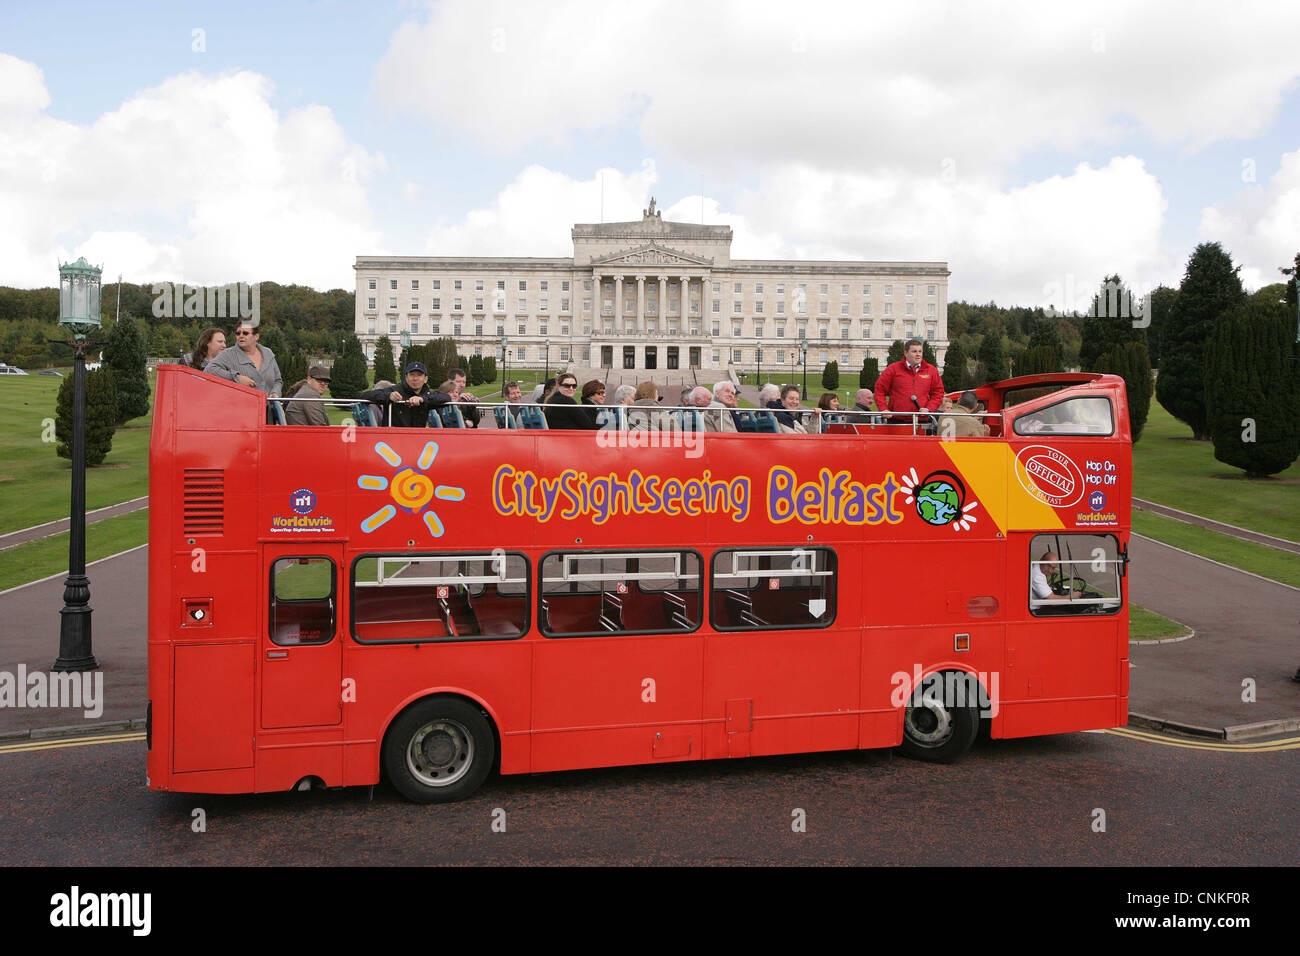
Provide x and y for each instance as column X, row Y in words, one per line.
column 593, row 593
column 1074, row 574
column 773, row 589
column 302, row 600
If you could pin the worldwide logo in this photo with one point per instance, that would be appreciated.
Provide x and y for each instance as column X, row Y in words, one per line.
column 303, row 501
column 940, row 499
column 1097, row 500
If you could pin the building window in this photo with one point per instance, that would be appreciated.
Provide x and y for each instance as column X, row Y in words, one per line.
column 780, row 330
column 437, row 283
column 523, row 285
column 392, row 301
column 437, row 304
column 478, row 305
column 564, row 328
column 889, row 308
column 392, row 283
column 455, row 305
column 456, row 287
column 564, row 286
column 844, row 330
column 780, row 288
column 415, row 305
column 478, row 285
column 455, row 329
column 437, row 327
column 758, row 330
column 523, row 329
column 929, row 290
column 844, row 358
column 758, row 307
column 824, row 288
column 844, row 308
column 844, row 289
column 370, row 330
column 780, row 308
column 866, row 308
column 758, row 288
column 521, row 353
column 586, row 305
column 735, row 307
column 717, row 328
column 929, row 311
column 822, row 333
column 866, row 289
column 586, row 328
column 911, row 308
column 523, row 305
column 911, row 289
column 564, row 305
column 735, row 356
column 735, row 330
column 541, row 329
column 564, row 353
column 695, row 306
column 821, row 308
column 889, row 290
column 415, row 285
column 929, row 332
column 546, row 286
column 372, row 303
column 717, row 305
column 824, row 356
column 501, row 330
column 717, row 287
column 478, row 328
column 866, row 330
column 372, row 285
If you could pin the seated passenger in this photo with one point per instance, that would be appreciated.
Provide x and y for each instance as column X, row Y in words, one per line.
column 789, row 419
column 724, row 397
column 211, row 344
column 593, row 400
column 646, row 415
column 963, row 423
column 309, row 410
column 561, row 408
column 410, row 401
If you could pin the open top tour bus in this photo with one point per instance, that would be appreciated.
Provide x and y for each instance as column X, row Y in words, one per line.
column 330, row 604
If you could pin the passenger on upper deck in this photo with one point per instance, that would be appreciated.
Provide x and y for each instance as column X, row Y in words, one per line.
column 470, row 415
column 910, row 384
column 561, row 408
column 964, row 424
column 211, row 343
column 862, row 401
column 512, row 393
column 248, row 363
column 410, row 400
column 724, row 397
column 790, row 419
column 310, row 412
column 646, row 415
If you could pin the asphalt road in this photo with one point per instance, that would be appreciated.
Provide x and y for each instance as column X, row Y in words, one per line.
column 1006, row 803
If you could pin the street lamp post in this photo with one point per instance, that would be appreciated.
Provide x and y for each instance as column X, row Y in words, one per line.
column 79, row 314
column 547, row 343
column 803, row 360
column 758, row 357
column 505, row 364
column 405, row 339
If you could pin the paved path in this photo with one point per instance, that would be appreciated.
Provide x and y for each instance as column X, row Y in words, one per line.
column 1246, row 627
column 1282, row 544
column 22, row 536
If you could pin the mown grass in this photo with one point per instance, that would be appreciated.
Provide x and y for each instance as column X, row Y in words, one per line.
column 1144, row 625
column 38, row 559
column 35, row 484
column 1259, row 559
column 1171, row 468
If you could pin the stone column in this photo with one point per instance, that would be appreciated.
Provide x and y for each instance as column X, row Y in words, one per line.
column 595, row 301
column 684, row 302
column 618, row 304
column 640, row 305
column 662, row 307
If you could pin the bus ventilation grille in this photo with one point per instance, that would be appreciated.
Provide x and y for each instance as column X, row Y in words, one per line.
column 205, row 500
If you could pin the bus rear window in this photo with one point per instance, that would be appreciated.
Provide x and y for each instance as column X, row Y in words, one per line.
column 445, row 597
column 628, row 592
column 302, row 600
column 771, row 589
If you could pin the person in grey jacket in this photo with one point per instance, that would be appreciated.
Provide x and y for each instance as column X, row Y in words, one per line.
column 248, row 363
column 310, row 411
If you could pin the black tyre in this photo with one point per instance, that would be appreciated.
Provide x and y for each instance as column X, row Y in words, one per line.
column 942, row 725
column 439, row 750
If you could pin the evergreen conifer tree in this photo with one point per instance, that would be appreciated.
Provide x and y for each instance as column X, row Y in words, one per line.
column 895, row 352
column 870, row 372
column 127, row 355
column 101, row 416
column 992, row 358
column 927, row 354
column 384, row 367
column 954, row 368
column 474, row 374
column 348, row 376
column 1210, row 289
column 1110, row 322
column 831, row 376
column 1132, row 362
column 1045, row 334
column 1159, row 306
column 1252, row 389
column 440, row 358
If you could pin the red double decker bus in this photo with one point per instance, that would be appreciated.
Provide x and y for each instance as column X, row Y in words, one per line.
column 331, row 605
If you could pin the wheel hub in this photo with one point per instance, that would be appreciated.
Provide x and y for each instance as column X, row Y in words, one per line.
column 928, row 723
column 440, row 753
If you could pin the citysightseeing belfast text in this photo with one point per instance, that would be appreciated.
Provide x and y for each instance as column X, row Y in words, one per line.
column 830, row 498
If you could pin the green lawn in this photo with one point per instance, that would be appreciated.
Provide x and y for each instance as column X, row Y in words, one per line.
column 1269, row 562
column 39, row 559
column 1172, row 469
column 1144, row 625
column 35, row 484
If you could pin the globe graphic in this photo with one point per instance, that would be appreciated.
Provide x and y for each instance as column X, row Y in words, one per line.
column 937, row 502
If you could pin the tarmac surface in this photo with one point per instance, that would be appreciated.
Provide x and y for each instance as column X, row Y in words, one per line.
column 1245, row 640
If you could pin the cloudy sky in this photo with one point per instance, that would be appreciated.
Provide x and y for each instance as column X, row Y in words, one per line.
column 1034, row 147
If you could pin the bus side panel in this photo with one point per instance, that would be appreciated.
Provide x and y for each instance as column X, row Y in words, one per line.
column 214, row 706
column 283, row 759
column 391, row 677
column 611, row 701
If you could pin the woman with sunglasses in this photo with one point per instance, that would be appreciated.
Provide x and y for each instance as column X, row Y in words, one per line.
column 248, row 363
column 563, row 410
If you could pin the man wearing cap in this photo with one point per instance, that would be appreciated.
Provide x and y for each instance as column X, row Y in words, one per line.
column 410, row 400
column 310, row 412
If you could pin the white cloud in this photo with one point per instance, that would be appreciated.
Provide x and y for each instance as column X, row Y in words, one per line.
column 844, row 85
column 196, row 179
column 1027, row 245
column 1260, row 226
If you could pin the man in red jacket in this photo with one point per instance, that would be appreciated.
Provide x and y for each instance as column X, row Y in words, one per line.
column 909, row 385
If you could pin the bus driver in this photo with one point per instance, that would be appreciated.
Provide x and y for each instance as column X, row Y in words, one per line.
column 1039, row 586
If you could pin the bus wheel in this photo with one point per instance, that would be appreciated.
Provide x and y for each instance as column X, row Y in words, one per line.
column 439, row 750
column 938, row 731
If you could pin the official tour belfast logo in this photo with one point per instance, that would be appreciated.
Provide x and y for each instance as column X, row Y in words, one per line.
column 410, row 488
column 940, row 499
column 1049, row 476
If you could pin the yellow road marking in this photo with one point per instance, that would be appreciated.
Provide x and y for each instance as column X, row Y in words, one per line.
column 1223, row 746
column 62, row 742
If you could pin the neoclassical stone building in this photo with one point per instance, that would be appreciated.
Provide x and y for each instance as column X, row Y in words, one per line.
column 651, row 296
